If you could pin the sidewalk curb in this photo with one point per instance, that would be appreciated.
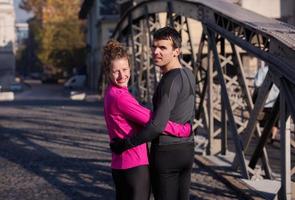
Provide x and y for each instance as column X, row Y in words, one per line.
column 7, row 96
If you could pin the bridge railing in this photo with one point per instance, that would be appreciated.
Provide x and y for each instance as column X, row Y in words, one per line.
column 217, row 36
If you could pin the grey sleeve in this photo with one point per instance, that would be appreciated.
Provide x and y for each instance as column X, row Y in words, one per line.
column 165, row 103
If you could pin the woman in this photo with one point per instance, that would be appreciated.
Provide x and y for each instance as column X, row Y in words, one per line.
column 124, row 117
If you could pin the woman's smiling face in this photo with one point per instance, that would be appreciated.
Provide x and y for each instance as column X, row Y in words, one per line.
column 120, row 72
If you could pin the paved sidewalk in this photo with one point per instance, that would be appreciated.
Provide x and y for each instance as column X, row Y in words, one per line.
column 59, row 149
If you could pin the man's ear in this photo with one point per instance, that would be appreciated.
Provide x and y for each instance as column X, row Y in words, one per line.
column 176, row 52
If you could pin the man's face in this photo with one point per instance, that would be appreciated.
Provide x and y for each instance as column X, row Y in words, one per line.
column 163, row 53
column 120, row 72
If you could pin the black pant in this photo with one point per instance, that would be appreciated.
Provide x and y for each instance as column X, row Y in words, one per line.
column 132, row 184
column 171, row 167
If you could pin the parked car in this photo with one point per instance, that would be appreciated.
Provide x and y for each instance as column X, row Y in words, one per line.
column 49, row 78
column 36, row 75
column 16, row 87
column 75, row 82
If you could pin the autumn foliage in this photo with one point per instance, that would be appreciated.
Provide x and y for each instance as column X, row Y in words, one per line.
column 58, row 33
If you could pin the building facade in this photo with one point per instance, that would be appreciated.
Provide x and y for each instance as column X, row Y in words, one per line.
column 7, row 43
column 102, row 17
column 22, row 33
column 283, row 10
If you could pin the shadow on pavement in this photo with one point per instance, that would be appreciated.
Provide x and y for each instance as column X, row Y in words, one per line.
column 39, row 163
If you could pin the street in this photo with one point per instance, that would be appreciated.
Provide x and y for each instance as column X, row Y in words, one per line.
column 54, row 148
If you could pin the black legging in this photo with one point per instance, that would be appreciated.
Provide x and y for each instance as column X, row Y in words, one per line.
column 171, row 167
column 132, row 184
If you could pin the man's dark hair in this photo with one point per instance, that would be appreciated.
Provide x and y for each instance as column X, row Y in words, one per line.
column 168, row 33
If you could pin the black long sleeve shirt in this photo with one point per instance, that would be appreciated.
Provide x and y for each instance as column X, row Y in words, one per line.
column 174, row 100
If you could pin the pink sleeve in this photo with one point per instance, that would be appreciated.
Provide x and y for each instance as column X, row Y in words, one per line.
column 178, row 130
column 135, row 112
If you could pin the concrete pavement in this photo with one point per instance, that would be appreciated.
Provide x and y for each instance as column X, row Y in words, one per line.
column 56, row 148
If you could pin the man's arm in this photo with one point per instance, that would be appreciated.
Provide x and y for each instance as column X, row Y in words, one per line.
column 156, row 125
column 165, row 103
column 137, row 113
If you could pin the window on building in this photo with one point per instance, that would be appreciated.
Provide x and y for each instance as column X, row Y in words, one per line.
column 109, row 7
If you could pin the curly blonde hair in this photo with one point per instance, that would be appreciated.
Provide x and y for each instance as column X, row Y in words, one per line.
column 113, row 50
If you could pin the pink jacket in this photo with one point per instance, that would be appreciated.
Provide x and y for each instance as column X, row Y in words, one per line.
column 124, row 116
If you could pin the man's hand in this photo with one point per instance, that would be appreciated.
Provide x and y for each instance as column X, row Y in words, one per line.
column 119, row 145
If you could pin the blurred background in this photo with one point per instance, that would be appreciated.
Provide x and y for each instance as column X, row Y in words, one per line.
column 41, row 40
column 56, row 40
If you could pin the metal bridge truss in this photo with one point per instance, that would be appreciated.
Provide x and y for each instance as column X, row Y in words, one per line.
column 225, row 113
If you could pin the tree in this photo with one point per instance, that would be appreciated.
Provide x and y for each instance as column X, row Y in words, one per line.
column 58, row 33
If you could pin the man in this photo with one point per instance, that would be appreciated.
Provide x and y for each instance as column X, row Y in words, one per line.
column 171, row 158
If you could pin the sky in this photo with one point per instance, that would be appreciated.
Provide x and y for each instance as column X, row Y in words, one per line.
column 20, row 14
